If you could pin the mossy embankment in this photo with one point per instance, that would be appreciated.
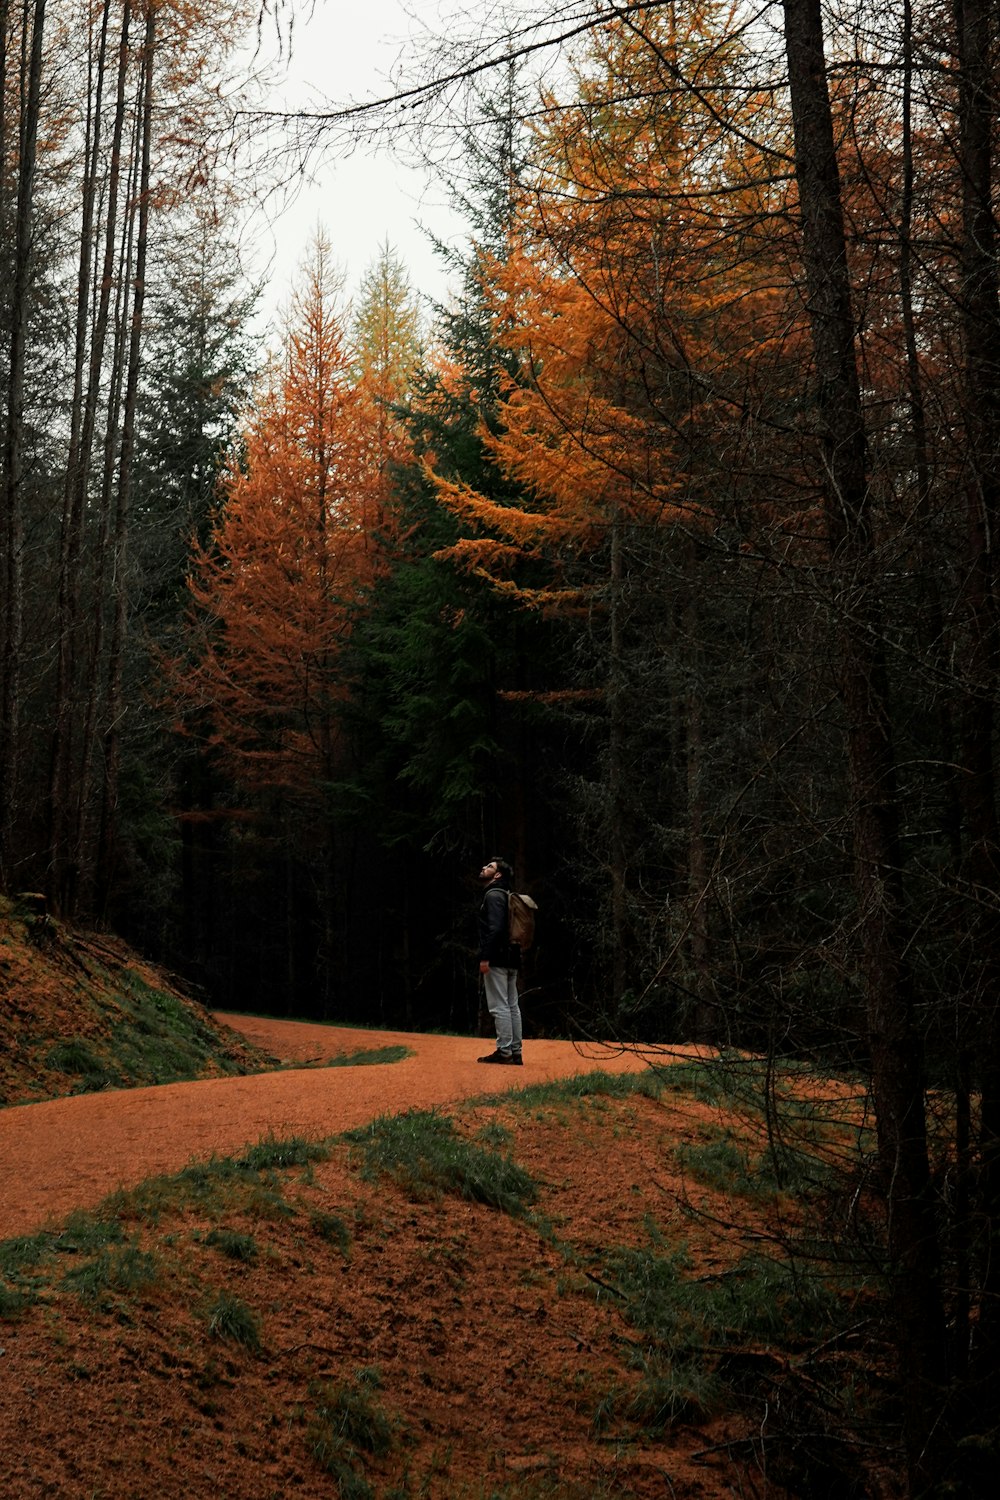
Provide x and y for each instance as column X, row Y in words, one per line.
column 81, row 1011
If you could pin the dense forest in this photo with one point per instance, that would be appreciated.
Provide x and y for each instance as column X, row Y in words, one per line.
column 661, row 560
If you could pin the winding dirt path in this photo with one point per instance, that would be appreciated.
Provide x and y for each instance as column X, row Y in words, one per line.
column 70, row 1153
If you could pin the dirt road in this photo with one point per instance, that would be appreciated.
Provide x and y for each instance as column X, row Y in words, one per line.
column 70, row 1153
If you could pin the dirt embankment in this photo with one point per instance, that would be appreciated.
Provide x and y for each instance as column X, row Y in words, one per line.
column 81, row 1011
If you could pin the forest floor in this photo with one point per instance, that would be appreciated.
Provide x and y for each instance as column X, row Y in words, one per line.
column 402, row 1341
column 209, row 1289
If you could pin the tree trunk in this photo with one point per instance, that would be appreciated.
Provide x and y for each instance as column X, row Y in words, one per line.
column 119, row 581
column 616, row 775
column 13, row 468
column 703, row 1021
column 897, row 1065
column 976, row 23
column 67, row 792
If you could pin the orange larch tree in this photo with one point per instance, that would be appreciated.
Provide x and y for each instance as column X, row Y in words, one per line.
column 288, row 559
column 643, row 296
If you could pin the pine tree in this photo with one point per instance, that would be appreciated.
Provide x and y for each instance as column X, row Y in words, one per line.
column 196, row 381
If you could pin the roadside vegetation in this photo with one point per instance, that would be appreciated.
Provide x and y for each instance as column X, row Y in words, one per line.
column 83, row 1012
column 651, row 1259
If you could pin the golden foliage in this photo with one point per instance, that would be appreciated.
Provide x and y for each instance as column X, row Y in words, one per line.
column 290, row 556
column 637, row 296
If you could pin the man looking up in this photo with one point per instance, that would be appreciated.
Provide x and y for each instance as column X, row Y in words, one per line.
column 499, row 961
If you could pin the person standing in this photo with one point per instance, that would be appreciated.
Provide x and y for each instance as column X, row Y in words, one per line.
column 499, row 961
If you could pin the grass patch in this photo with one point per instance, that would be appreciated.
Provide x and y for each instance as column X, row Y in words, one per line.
column 347, row 1427
column 369, row 1057
column 424, row 1154
column 241, row 1247
column 87, row 1234
column 274, row 1152
column 103, row 1261
column 15, row 1301
column 231, row 1319
column 719, row 1081
column 207, row 1187
column 332, row 1228
column 221, row 1183
column 157, row 1038
column 726, row 1164
column 121, row 1268
column 648, row 1085
column 24, row 1253
column 76, row 1058
column 689, row 1327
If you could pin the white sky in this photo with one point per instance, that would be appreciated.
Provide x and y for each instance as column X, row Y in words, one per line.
column 346, row 52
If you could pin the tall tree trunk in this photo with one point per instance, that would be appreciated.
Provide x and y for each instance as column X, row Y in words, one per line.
column 897, row 1067
column 94, row 697
column 95, row 95
column 976, row 24
column 616, row 773
column 13, row 467
column 703, row 1020
column 4, row 129
column 119, row 580
column 66, row 790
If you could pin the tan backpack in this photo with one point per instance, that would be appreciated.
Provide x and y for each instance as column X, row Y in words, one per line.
column 521, row 920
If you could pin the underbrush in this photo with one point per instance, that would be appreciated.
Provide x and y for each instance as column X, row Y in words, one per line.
column 689, row 1325
column 790, row 1334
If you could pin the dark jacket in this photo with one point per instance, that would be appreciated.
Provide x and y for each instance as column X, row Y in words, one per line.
column 494, row 947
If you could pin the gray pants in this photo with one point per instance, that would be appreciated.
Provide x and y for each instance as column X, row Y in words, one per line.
column 502, row 1004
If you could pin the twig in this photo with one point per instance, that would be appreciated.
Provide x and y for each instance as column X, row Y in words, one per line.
column 606, row 1285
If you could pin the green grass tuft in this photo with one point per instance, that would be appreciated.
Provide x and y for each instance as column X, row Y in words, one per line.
column 230, row 1318
column 425, row 1155
column 271, row 1152
column 369, row 1057
column 725, row 1163
column 242, row 1247
column 15, row 1301
column 86, row 1233
column 221, row 1183
column 74, row 1057
column 332, row 1228
column 24, row 1253
column 346, row 1427
column 648, row 1085
column 124, row 1268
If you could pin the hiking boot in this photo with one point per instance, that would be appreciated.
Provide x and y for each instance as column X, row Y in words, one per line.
column 517, row 1059
column 497, row 1057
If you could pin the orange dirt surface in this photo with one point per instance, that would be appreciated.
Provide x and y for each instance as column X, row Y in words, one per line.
column 488, row 1347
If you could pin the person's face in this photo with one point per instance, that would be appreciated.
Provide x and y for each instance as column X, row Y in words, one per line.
column 489, row 872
